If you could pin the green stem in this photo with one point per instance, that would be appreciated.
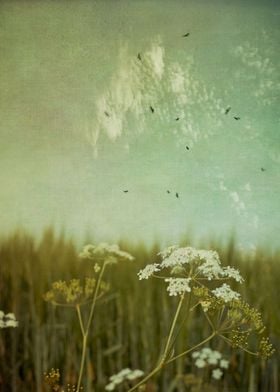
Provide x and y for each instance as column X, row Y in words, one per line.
column 82, row 365
column 165, row 352
column 184, row 321
column 80, row 319
column 162, row 364
column 95, row 297
column 191, row 349
column 86, row 330
column 170, row 335
column 150, row 375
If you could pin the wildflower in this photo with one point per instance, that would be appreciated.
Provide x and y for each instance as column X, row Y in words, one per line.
column 210, row 267
column 200, row 363
column 224, row 363
column 231, row 272
column 124, row 374
column 178, row 285
column 73, row 292
column 110, row 387
column 148, row 271
column 135, row 374
column 8, row 320
column 226, row 293
column 167, row 252
column 96, row 268
column 217, row 374
column 180, row 257
column 110, row 253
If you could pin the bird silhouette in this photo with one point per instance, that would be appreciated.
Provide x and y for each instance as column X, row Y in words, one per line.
column 177, row 195
column 107, row 114
column 177, row 118
column 236, row 118
column 186, row 35
column 152, row 109
column 187, row 147
column 139, row 57
column 262, row 169
column 125, row 191
column 168, row 191
column 227, row 110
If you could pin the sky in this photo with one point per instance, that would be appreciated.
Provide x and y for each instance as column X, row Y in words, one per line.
column 77, row 129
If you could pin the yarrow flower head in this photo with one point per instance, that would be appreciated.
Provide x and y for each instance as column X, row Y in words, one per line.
column 148, row 271
column 190, row 264
column 125, row 374
column 217, row 374
column 8, row 320
column 178, row 286
column 226, row 293
column 109, row 253
column 209, row 357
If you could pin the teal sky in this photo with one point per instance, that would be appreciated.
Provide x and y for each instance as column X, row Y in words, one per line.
column 64, row 162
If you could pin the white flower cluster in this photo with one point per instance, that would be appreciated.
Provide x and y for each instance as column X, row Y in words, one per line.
column 202, row 263
column 125, row 374
column 8, row 320
column 113, row 252
column 148, row 271
column 178, row 285
column 206, row 357
column 225, row 293
column 233, row 273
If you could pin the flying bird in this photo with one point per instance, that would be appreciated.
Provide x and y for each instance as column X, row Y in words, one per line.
column 262, row 169
column 177, row 118
column 187, row 147
column 177, row 195
column 152, row 109
column 186, row 35
column 125, row 191
column 227, row 110
column 139, row 57
column 168, row 191
column 236, row 118
column 107, row 114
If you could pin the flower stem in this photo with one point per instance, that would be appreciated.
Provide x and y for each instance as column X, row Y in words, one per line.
column 170, row 335
column 165, row 352
column 86, row 330
column 192, row 348
column 82, row 365
column 95, row 297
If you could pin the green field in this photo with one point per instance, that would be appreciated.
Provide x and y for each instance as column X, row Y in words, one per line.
column 131, row 322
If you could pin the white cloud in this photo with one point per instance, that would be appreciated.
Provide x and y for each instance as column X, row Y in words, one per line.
column 155, row 59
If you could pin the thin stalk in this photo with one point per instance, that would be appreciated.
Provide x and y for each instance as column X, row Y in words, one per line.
column 161, row 365
column 170, row 335
column 86, row 330
column 82, row 365
column 80, row 319
column 166, row 349
column 95, row 297
column 184, row 321
column 244, row 349
column 191, row 349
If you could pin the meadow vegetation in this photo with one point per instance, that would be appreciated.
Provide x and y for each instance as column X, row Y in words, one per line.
column 130, row 324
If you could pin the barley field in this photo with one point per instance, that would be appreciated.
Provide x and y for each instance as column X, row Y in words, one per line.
column 131, row 320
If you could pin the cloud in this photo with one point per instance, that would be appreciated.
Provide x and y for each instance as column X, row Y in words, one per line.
column 173, row 91
column 257, row 67
column 238, row 204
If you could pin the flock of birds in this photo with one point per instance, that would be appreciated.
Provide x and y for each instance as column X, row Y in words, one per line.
column 152, row 109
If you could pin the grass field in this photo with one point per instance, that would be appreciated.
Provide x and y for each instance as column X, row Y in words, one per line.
column 132, row 319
